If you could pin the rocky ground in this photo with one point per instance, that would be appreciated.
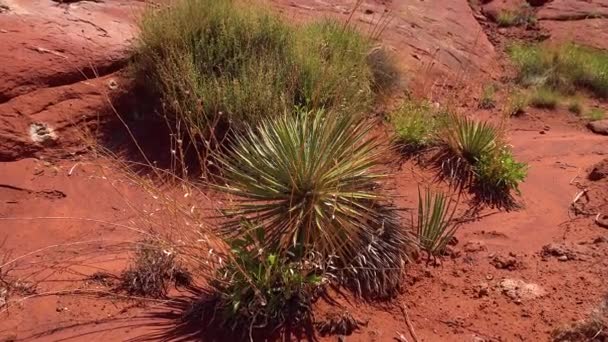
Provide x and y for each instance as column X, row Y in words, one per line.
column 512, row 276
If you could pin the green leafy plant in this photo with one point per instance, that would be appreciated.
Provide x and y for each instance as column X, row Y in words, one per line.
column 487, row 100
column 500, row 171
column 474, row 155
column 154, row 268
column 260, row 289
column 414, row 124
column 434, row 225
column 309, row 179
column 562, row 67
column 545, row 98
column 596, row 114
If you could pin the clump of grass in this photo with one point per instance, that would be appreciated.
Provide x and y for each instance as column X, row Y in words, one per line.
column 596, row 114
column 474, row 155
column 575, row 106
column 545, row 98
column 259, row 289
column 435, row 225
column 564, row 67
column 518, row 102
column 523, row 16
column 414, row 124
column 487, row 100
column 231, row 63
column 154, row 268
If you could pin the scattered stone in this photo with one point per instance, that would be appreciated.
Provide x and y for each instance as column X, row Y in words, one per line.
column 518, row 290
column 509, row 262
column 600, row 239
column 3, row 7
column 599, row 171
column 369, row 11
column 562, row 258
column 482, row 290
column 41, row 133
column 554, row 249
column 602, row 220
column 112, row 84
column 474, row 246
column 599, row 126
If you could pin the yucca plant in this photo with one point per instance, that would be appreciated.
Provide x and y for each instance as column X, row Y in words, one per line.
column 435, row 225
column 468, row 138
column 475, row 156
column 309, row 179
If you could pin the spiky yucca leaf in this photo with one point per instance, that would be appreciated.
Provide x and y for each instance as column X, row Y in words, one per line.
column 465, row 142
column 469, row 139
column 435, row 226
column 309, row 179
column 376, row 271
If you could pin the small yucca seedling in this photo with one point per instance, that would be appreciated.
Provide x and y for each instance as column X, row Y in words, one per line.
column 464, row 141
column 308, row 179
column 435, row 226
column 469, row 139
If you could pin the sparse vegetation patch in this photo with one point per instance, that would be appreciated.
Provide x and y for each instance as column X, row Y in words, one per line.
column 565, row 67
column 545, row 98
column 414, row 124
column 523, row 16
column 487, row 100
column 154, row 268
column 596, row 114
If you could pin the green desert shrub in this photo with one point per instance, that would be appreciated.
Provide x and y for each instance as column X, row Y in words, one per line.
column 239, row 63
column 564, row 67
column 258, row 288
column 414, row 124
column 474, row 155
column 500, row 172
column 544, row 97
column 434, row 225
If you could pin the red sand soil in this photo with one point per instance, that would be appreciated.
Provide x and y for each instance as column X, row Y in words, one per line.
column 68, row 211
